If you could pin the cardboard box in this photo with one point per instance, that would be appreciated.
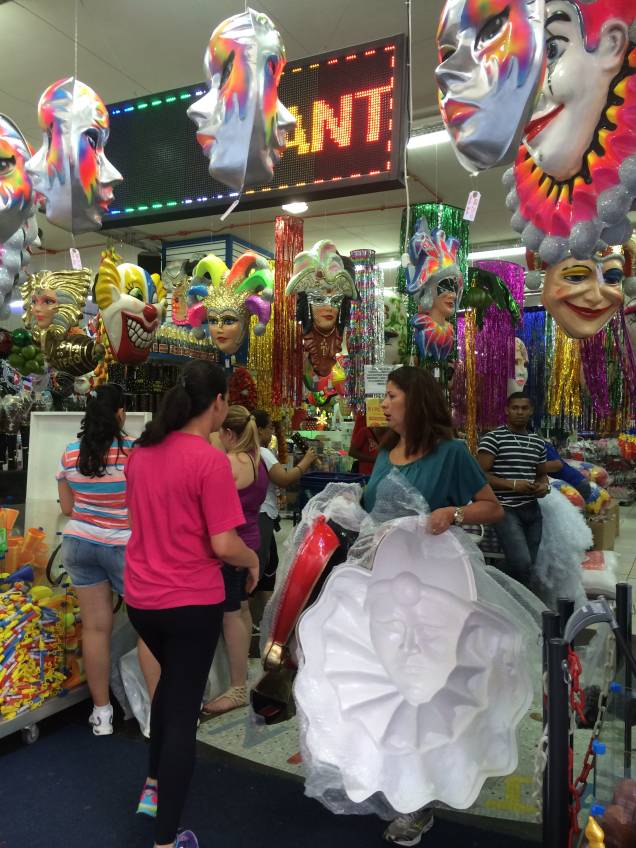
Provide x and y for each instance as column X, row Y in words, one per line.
column 603, row 533
column 613, row 513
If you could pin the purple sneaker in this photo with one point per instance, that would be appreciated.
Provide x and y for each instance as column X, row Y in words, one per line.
column 186, row 839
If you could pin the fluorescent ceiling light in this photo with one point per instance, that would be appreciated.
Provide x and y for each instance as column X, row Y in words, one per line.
column 429, row 139
column 497, row 253
column 296, row 208
column 389, row 263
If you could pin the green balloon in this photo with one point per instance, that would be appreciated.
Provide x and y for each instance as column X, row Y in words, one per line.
column 29, row 351
column 29, row 366
column 21, row 337
column 15, row 360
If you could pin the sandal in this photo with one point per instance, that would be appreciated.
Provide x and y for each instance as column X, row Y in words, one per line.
column 236, row 696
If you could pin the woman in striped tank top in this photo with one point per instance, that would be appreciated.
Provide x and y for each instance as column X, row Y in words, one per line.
column 92, row 490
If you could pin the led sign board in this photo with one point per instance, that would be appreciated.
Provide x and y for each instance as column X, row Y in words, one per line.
column 349, row 107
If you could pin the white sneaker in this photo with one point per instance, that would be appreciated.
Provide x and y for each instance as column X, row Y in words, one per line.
column 102, row 721
column 408, row 829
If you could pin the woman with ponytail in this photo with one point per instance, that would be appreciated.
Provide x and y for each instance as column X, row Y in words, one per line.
column 239, row 438
column 184, row 515
column 92, row 490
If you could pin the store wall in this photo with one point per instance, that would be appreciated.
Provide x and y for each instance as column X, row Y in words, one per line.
column 90, row 258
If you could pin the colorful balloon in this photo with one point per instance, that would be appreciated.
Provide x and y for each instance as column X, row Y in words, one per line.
column 241, row 124
column 71, row 169
column 16, row 191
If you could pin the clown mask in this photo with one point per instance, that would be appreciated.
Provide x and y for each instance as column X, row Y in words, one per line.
column 16, row 193
column 582, row 296
column 575, row 91
column 490, row 64
column 71, row 169
column 131, row 307
column 241, row 123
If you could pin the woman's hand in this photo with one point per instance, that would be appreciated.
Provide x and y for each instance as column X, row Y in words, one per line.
column 309, row 458
column 441, row 519
column 253, row 576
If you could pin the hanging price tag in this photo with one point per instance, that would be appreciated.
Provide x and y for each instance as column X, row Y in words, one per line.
column 76, row 259
column 472, row 204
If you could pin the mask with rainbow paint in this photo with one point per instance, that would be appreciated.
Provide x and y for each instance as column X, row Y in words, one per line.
column 71, row 169
column 491, row 63
column 16, row 191
column 241, row 124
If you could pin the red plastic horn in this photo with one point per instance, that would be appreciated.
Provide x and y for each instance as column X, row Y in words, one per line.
column 313, row 555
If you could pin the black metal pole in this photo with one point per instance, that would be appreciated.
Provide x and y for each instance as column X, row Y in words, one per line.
column 565, row 608
column 624, row 619
column 556, row 829
column 550, row 629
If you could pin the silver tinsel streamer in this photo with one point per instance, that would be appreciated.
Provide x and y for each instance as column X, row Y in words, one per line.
column 365, row 340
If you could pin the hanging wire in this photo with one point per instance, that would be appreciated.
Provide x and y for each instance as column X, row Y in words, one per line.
column 409, row 118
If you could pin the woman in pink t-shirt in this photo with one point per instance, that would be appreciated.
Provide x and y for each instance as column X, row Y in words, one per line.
column 184, row 510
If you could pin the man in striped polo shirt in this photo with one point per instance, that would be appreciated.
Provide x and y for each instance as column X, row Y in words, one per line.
column 514, row 461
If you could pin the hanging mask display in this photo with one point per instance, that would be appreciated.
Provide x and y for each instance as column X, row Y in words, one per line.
column 71, row 169
column 16, row 191
column 54, row 303
column 574, row 178
column 582, row 295
column 324, row 289
column 434, row 280
column 241, row 123
column 231, row 298
column 131, row 305
column 491, row 63
column 518, row 384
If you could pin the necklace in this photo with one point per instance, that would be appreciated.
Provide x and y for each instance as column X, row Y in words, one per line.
column 516, row 438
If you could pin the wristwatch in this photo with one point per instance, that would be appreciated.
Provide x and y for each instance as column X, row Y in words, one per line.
column 458, row 517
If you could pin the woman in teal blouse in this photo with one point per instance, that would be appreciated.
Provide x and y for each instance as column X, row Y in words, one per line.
column 422, row 448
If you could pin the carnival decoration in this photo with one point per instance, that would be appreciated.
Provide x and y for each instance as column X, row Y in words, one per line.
column 491, row 63
column 16, row 191
column 287, row 357
column 241, row 124
column 435, row 282
column 518, row 383
column 365, row 339
column 395, row 329
column 582, row 295
column 574, row 178
column 15, row 254
column 229, row 298
column 324, row 289
column 70, row 169
column 54, row 303
column 484, row 289
column 131, row 306
column 410, row 685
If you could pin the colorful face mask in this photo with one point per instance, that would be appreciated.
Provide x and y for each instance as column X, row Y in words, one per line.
column 433, row 273
column 518, row 384
column 131, row 305
column 583, row 295
column 490, row 64
column 232, row 297
column 71, row 169
column 574, row 178
column 16, row 192
column 242, row 125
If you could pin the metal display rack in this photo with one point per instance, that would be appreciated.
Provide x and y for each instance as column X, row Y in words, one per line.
column 27, row 722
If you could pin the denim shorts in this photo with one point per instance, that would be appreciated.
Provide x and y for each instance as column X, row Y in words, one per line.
column 88, row 564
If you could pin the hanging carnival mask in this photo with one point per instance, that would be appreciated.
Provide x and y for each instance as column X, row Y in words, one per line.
column 518, row 383
column 491, row 63
column 574, row 178
column 241, row 123
column 582, row 295
column 131, row 304
column 15, row 254
column 230, row 298
column 71, row 169
column 54, row 303
column 324, row 289
column 16, row 191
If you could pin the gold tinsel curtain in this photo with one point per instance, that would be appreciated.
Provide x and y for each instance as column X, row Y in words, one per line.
column 287, row 350
column 260, row 364
column 564, row 388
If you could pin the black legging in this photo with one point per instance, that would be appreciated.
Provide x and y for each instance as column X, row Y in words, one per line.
column 183, row 640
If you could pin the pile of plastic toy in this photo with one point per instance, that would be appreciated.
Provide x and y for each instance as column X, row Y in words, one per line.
column 627, row 445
